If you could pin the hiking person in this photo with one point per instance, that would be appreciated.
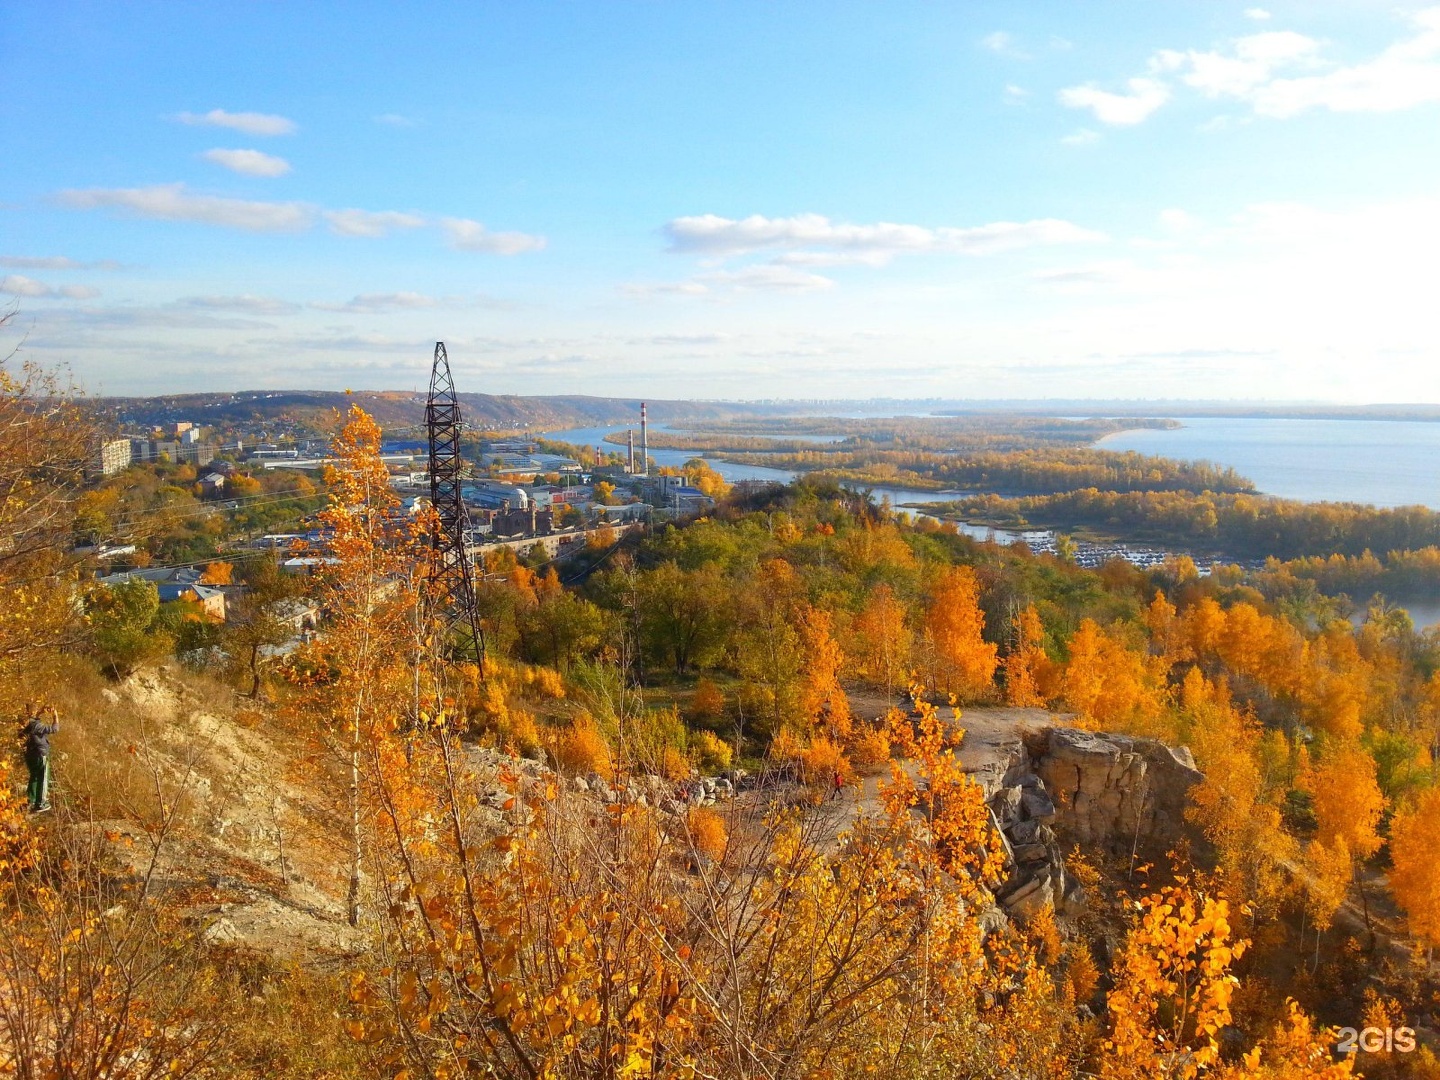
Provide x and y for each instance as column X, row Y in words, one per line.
column 36, row 734
column 839, row 785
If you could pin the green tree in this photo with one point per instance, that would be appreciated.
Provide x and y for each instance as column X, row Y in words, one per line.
column 121, row 618
column 261, row 617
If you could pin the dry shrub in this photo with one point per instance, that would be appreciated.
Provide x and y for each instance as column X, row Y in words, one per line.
column 581, row 748
column 821, row 760
column 712, row 753
column 869, row 746
column 708, row 702
column 707, row 832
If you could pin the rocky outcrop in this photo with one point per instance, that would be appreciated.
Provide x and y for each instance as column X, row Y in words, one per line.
column 1053, row 786
column 1112, row 790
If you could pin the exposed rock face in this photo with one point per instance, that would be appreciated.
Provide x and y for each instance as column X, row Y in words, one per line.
column 1114, row 790
column 1062, row 784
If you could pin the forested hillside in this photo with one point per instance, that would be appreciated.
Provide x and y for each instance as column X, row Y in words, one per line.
column 701, row 810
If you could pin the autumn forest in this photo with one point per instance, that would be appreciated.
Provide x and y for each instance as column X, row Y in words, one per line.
column 706, row 804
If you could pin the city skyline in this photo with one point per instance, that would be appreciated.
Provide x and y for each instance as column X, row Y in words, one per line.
column 729, row 202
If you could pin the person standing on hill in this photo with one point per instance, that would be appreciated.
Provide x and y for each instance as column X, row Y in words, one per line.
column 36, row 733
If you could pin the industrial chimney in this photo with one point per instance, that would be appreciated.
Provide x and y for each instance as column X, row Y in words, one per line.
column 644, row 442
column 630, row 440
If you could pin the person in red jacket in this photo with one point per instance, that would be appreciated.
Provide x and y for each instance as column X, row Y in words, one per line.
column 36, row 732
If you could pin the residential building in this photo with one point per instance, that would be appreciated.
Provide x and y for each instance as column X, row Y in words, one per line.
column 111, row 456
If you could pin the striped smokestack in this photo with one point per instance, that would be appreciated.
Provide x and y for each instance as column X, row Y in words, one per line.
column 630, row 440
column 644, row 442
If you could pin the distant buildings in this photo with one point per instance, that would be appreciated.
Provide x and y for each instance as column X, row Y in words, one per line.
column 177, row 583
column 111, row 456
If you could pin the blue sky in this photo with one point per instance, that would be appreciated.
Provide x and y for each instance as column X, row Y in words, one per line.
column 728, row 200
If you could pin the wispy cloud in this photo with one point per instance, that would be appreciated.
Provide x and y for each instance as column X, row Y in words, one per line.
column 766, row 277
column 250, row 305
column 1002, row 43
column 710, row 234
column 1143, row 96
column 249, row 162
column 467, row 235
column 394, row 120
column 1259, row 14
column 20, row 285
column 54, row 262
column 172, row 202
column 1080, row 137
column 371, row 222
column 368, row 303
column 251, row 123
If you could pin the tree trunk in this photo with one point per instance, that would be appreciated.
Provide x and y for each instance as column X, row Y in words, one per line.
column 254, row 670
column 352, row 897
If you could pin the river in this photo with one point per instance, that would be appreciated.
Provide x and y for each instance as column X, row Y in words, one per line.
column 1382, row 462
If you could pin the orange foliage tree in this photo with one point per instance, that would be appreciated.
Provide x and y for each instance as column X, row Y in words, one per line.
column 822, row 700
column 883, row 641
column 962, row 661
column 364, row 676
column 1415, row 876
column 1026, row 665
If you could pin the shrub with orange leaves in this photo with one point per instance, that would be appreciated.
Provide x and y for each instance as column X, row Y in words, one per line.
column 708, row 702
column 1172, row 987
column 869, row 745
column 581, row 748
column 707, row 832
column 822, row 760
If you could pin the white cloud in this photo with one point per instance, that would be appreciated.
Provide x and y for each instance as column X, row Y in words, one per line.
column 1257, row 13
column 467, row 235
column 1144, row 97
column 1404, row 75
column 710, row 234
column 1014, row 95
column 1254, row 62
column 172, row 202
column 370, row 303
column 1080, row 137
column 1003, row 43
column 371, row 223
column 252, row 305
column 20, row 285
column 54, row 262
column 249, row 162
column 394, row 120
column 1281, row 74
column 249, row 122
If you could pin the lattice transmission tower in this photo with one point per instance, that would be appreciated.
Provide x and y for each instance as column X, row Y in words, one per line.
column 455, row 578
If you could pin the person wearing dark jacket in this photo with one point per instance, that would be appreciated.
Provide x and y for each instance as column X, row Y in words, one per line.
column 36, row 734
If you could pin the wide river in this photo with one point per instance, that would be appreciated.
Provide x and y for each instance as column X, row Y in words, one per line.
column 595, row 436
column 1383, row 462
